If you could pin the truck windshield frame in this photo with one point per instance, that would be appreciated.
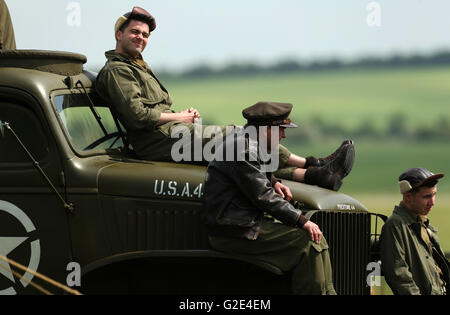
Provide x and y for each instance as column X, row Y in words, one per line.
column 82, row 127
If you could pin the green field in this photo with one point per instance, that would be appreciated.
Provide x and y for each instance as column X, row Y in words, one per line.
column 349, row 98
column 379, row 163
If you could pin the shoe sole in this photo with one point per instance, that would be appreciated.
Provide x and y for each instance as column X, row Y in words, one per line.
column 349, row 160
column 331, row 157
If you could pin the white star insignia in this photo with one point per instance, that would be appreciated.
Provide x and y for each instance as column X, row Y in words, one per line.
column 7, row 245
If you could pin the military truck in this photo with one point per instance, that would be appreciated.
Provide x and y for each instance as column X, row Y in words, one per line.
column 72, row 193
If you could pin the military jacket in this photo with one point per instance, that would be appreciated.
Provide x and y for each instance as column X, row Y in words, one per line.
column 238, row 194
column 408, row 266
column 137, row 97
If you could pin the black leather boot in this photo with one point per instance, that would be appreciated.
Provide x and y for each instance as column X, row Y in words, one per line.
column 322, row 177
column 346, row 153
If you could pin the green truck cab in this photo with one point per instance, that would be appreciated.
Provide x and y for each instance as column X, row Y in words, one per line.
column 72, row 192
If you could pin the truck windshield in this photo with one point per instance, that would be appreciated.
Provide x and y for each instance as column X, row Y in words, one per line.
column 88, row 127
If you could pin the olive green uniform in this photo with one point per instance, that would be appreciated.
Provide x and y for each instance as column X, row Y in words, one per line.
column 139, row 98
column 291, row 250
column 244, row 215
column 412, row 260
column 7, row 39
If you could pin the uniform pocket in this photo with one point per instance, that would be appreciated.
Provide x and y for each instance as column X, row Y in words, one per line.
column 323, row 245
column 152, row 91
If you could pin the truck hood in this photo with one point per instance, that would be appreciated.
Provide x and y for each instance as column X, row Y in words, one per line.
column 152, row 180
column 316, row 198
column 175, row 181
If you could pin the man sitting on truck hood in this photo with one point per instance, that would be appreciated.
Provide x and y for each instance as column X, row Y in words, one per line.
column 143, row 106
column 247, row 210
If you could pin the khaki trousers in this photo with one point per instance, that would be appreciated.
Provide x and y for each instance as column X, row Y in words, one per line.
column 289, row 249
column 160, row 144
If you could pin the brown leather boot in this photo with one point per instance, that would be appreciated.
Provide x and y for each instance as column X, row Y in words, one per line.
column 330, row 175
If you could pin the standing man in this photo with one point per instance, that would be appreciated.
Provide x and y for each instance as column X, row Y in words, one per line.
column 7, row 39
column 247, row 210
column 412, row 259
column 143, row 106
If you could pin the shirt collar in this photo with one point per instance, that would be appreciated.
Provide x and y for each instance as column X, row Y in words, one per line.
column 405, row 213
column 411, row 218
column 113, row 55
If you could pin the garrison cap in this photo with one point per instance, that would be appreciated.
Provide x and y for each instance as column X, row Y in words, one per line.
column 416, row 177
column 269, row 114
column 136, row 12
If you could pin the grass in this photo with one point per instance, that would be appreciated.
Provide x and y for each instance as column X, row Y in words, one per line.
column 378, row 164
column 350, row 97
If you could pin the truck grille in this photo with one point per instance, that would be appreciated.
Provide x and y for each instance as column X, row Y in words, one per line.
column 347, row 233
column 348, row 236
column 169, row 229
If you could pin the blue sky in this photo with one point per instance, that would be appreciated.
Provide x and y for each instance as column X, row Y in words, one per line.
column 219, row 32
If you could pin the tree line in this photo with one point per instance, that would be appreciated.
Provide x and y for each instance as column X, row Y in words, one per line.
column 292, row 65
column 397, row 128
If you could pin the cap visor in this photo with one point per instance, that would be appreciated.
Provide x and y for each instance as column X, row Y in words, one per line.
column 433, row 177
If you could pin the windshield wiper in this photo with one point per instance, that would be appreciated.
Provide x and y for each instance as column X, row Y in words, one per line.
column 92, row 107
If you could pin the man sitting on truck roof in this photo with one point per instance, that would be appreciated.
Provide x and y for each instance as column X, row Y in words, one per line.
column 143, row 106
column 7, row 39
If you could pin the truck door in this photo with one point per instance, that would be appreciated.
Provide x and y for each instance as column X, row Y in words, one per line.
column 33, row 222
